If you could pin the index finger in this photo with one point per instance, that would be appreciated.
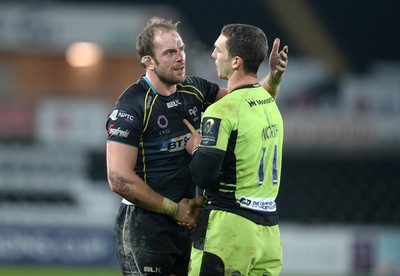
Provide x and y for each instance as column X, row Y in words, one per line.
column 189, row 126
column 275, row 46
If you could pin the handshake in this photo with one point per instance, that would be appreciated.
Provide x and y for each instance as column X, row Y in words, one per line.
column 186, row 212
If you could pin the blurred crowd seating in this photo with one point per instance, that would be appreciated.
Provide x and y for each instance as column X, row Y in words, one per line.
column 49, row 184
column 67, row 184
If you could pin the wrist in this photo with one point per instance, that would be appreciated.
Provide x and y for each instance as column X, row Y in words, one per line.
column 271, row 82
column 202, row 200
column 194, row 150
column 169, row 208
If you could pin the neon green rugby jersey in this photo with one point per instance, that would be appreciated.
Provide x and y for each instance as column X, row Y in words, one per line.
column 248, row 126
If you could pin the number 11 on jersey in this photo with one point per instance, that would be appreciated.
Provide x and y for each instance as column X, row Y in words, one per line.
column 261, row 168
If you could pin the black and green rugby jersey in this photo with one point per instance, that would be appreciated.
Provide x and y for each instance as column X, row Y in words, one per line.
column 154, row 124
column 245, row 128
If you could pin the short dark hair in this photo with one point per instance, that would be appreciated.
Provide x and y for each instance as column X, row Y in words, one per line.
column 248, row 42
column 145, row 39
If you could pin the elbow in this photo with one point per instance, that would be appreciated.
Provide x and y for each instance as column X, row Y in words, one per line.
column 205, row 168
column 201, row 179
column 116, row 183
column 114, row 187
column 198, row 176
column 202, row 182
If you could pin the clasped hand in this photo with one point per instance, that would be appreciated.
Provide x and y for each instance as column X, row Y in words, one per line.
column 189, row 211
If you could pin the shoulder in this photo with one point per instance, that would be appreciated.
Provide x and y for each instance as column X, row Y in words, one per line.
column 133, row 95
column 205, row 90
column 197, row 82
column 191, row 82
column 223, row 107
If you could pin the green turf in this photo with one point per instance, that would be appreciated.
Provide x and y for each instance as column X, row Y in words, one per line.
column 36, row 270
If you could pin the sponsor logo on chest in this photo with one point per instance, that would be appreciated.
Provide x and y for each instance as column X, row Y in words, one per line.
column 174, row 103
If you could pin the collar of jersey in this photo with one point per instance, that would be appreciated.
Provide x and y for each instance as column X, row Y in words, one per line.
column 151, row 86
column 254, row 85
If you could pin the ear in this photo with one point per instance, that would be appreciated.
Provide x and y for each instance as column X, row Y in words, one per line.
column 148, row 62
column 236, row 62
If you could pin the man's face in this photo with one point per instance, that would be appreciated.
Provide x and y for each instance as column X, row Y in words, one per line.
column 222, row 59
column 170, row 57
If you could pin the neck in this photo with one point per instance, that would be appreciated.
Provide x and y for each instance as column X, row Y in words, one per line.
column 239, row 79
column 161, row 87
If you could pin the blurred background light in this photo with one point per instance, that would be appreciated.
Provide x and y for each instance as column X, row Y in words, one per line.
column 84, row 54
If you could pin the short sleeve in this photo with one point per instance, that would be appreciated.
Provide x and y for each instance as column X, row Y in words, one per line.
column 124, row 126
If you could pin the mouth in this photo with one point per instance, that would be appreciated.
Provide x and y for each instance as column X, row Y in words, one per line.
column 179, row 69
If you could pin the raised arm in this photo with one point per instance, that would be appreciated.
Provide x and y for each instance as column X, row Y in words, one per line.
column 278, row 61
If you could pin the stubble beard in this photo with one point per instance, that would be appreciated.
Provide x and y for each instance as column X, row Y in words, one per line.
column 170, row 80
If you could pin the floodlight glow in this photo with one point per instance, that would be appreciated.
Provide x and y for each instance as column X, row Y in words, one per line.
column 84, row 54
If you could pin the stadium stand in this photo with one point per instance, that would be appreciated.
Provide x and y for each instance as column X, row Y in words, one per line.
column 51, row 185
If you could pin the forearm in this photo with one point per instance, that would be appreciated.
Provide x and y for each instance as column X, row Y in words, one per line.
column 272, row 86
column 278, row 61
column 135, row 190
column 206, row 162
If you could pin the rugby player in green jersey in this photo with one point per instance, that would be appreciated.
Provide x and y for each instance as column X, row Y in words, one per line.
column 238, row 163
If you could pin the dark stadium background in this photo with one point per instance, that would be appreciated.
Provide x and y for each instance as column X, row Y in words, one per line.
column 363, row 30
column 329, row 188
column 331, row 184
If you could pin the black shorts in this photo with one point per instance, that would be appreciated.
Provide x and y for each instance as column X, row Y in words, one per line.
column 148, row 243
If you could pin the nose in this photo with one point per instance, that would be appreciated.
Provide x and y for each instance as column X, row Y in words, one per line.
column 213, row 55
column 181, row 55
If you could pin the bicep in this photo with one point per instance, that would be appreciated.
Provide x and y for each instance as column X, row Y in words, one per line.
column 121, row 158
column 121, row 161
